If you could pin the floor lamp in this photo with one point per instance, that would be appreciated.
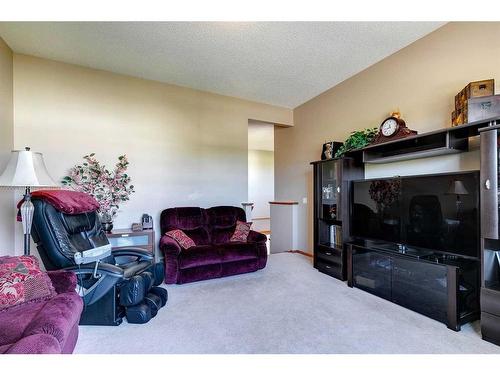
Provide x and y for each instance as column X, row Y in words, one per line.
column 25, row 170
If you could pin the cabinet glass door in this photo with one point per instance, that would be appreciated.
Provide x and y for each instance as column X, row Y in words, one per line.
column 372, row 272
column 421, row 287
column 329, row 191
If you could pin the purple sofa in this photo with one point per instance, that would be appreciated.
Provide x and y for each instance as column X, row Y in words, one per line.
column 44, row 327
column 213, row 256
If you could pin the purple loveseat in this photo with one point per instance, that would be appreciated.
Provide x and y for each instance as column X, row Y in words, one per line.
column 44, row 327
column 213, row 256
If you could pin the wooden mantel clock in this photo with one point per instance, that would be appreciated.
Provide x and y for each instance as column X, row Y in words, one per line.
column 393, row 128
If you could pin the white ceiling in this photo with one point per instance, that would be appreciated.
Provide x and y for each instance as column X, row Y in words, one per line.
column 260, row 136
column 281, row 63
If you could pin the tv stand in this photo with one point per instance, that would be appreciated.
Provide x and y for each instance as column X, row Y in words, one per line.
column 438, row 285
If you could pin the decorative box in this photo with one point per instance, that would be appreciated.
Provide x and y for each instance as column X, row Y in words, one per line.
column 474, row 90
column 459, row 116
column 483, row 108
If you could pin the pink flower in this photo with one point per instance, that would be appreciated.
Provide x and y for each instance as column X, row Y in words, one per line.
column 108, row 188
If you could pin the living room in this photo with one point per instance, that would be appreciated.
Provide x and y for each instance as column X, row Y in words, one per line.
column 126, row 145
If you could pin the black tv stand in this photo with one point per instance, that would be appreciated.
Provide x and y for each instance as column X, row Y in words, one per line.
column 441, row 286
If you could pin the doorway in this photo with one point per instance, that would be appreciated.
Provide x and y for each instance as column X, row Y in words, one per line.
column 261, row 173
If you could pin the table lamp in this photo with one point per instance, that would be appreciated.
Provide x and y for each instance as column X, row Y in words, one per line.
column 25, row 170
column 457, row 188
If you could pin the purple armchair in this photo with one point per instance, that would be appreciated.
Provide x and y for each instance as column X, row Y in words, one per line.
column 44, row 327
column 214, row 255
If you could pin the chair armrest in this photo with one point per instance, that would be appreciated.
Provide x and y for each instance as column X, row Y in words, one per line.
column 103, row 268
column 40, row 343
column 139, row 252
column 170, row 246
column 57, row 317
column 63, row 281
column 254, row 236
column 109, row 274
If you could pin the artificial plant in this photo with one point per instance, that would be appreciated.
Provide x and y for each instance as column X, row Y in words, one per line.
column 108, row 188
column 357, row 139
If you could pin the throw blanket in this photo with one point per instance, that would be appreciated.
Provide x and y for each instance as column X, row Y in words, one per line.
column 66, row 201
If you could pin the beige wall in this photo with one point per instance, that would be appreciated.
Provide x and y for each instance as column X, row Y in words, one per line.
column 421, row 80
column 185, row 147
column 7, row 211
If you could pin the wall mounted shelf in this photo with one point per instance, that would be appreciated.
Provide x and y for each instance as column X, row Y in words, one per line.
column 440, row 142
column 424, row 146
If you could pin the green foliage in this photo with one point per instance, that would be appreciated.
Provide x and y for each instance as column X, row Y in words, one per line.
column 357, row 139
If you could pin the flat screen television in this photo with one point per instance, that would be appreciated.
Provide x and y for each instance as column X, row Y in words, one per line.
column 435, row 212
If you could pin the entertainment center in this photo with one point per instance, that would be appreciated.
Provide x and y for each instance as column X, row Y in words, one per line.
column 430, row 243
column 442, row 287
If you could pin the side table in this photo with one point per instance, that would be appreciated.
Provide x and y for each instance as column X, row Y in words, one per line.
column 145, row 239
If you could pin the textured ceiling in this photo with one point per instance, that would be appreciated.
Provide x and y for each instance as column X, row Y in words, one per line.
column 281, row 63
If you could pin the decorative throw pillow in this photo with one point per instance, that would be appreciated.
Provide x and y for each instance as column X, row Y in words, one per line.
column 21, row 280
column 182, row 238
column 241, row 232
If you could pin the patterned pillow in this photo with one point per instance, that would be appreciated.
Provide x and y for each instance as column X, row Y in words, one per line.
column 182, row 238
column 21, row 280
column 241, row 232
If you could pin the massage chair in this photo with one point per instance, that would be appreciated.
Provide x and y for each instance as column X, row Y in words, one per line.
column 113, row 283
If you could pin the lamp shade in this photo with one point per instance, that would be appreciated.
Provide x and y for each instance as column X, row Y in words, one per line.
column 457, row 188
column 26, row 169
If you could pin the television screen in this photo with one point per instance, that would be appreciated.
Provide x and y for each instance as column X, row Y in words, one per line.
column 376, row 209
column 438, row 212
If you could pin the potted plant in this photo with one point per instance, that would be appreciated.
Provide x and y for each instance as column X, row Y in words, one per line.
column 109, row 188
column 357, row 139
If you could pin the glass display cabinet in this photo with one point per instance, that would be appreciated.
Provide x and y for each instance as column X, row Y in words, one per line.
column 330, row 191
column 490, row 233
column 332, row 179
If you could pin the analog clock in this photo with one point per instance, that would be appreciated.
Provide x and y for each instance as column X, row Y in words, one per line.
column 393, row 127
column 389, row 127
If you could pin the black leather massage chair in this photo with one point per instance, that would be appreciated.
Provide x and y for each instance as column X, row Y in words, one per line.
column 113, row 284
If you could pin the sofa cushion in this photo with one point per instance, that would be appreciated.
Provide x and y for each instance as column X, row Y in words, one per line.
column 182, row 238
column 242, row 266
column 199, row 256
column 199, row 235
column 235, row 251
column 225, row 216
column 63, row 281
column 21, row 281
column 189, row 275
column 241, row 232
column 222, row 234
column 183, row 218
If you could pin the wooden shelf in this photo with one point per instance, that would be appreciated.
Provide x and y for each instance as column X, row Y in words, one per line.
column 417, row 147
column 444, row 141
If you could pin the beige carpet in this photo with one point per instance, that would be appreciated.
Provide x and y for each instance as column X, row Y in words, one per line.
column 288, row 307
